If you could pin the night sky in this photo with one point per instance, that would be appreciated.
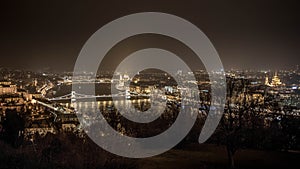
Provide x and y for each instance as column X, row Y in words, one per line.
column 48, row 35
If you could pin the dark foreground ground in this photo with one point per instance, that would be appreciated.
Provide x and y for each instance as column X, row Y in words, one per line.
column 212, row 156
column 191, row 156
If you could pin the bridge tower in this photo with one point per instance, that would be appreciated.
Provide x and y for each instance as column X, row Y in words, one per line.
column 127, row 94
column 73, row 96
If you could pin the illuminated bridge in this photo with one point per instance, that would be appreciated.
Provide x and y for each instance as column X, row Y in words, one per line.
column 74, row 96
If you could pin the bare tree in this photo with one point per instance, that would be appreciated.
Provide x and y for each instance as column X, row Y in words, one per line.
column 239, row 117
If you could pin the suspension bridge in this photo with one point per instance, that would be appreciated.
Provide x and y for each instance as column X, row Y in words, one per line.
column 73, row 96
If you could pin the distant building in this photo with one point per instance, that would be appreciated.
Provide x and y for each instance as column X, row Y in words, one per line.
column 275, row 81
column 7, row 88
column 38, row 126
column 267, row 81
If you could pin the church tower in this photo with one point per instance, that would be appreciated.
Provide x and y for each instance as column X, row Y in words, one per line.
column 267, row 81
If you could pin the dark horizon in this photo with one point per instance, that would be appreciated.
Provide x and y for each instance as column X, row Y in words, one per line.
column 247, row 35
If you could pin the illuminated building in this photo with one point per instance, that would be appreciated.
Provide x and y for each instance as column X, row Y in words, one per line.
column 267, row 81
column 275, row 81
column 7, row 88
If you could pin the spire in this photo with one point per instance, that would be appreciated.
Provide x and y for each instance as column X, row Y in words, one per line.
column 267, row 81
